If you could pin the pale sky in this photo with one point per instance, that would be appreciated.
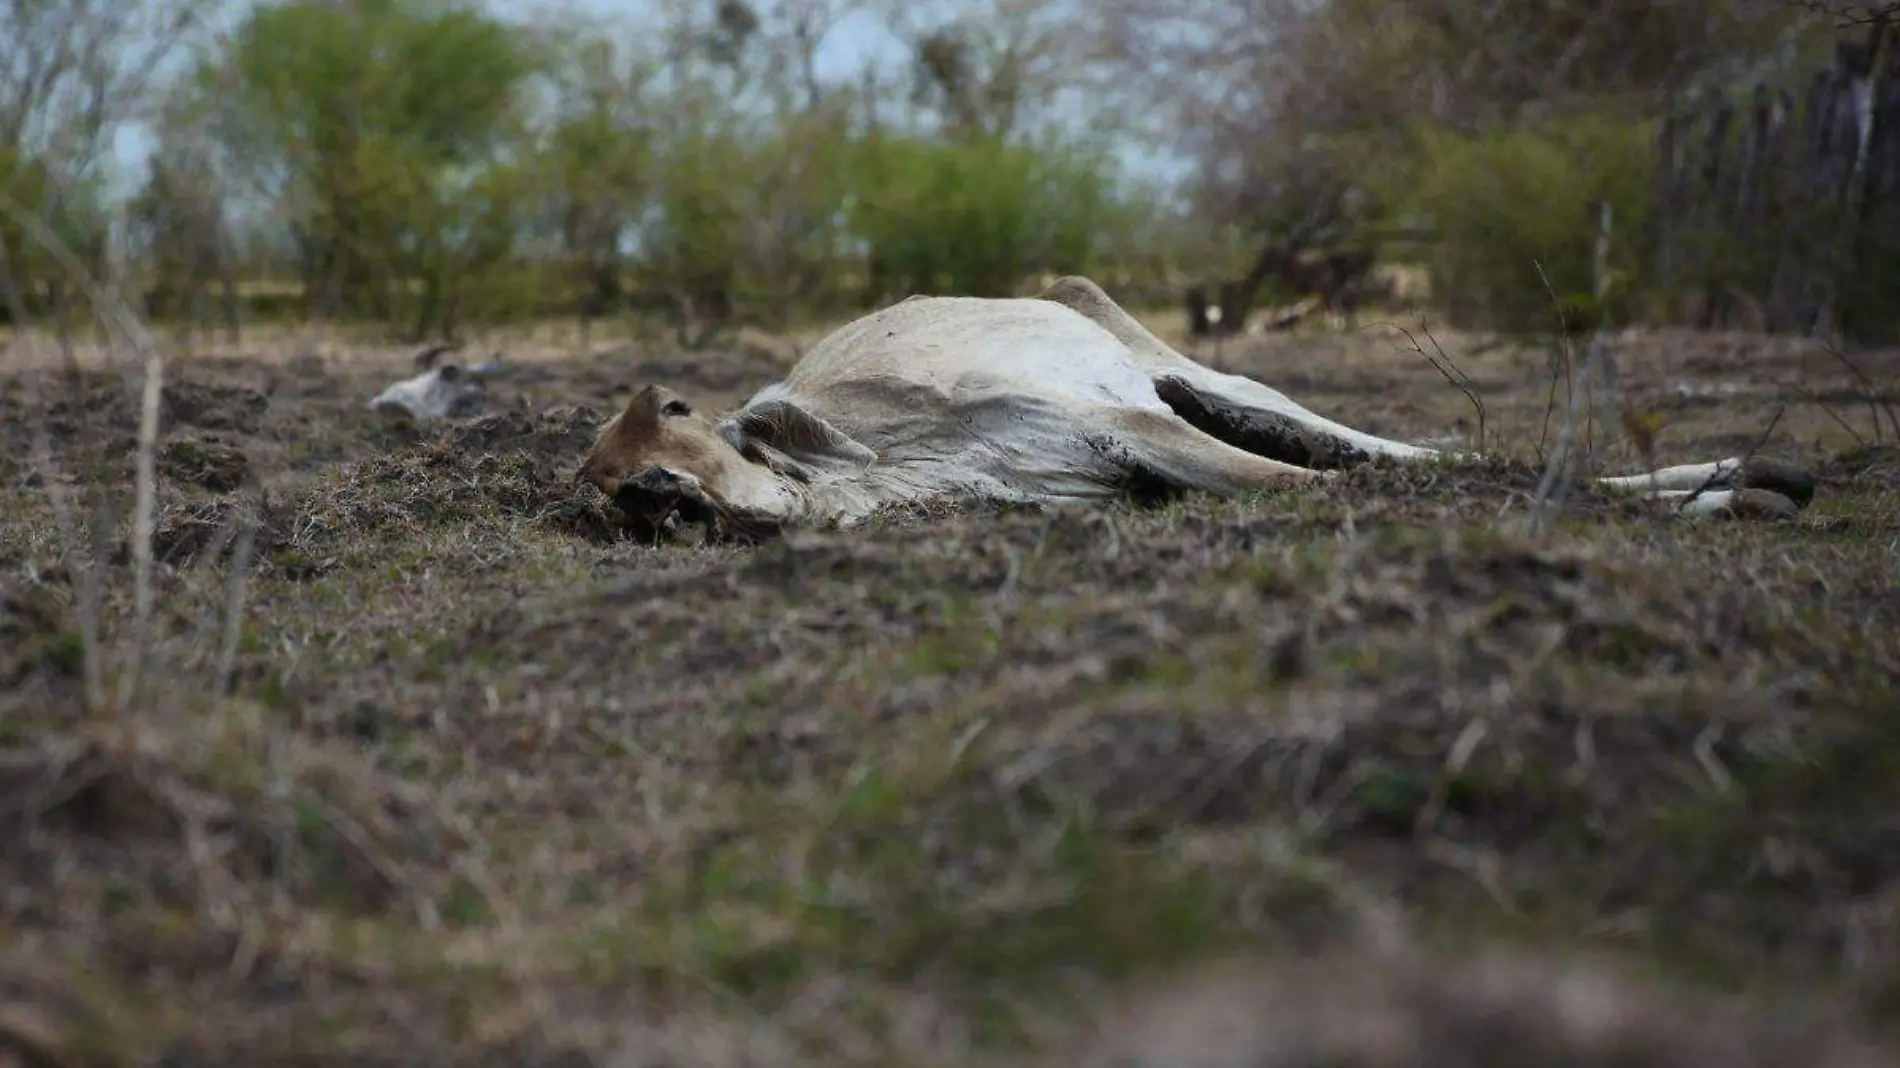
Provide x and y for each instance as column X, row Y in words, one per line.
column 856, row 37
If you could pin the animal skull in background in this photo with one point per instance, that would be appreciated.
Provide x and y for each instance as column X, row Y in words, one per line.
column 448, row 391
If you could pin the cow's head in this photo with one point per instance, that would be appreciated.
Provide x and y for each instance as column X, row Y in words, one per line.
column 741, row 475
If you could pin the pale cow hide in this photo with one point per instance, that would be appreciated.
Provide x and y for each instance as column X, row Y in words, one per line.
column 1061, row 397
column 449, row 391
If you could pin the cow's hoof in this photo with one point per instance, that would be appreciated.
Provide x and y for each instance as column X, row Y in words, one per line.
column 1791, row 482
column 1757, row 503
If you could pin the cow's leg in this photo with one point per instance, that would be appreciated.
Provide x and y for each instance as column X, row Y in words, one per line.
column 1237, row 410
column 1247, row 415
column 1748, row 503
column 1160, row 450
column 1734, row 473
column 1260, row 419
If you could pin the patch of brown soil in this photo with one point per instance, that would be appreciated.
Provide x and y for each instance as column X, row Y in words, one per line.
column 932, row 766
column 38, row 642
column 214, row 836
column 1867, row 465
column 137, row 805
column 210, row 463
column 511, row 465
column 190, row 531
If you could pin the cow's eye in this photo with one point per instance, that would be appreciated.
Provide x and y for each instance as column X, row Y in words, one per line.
column 676, row 407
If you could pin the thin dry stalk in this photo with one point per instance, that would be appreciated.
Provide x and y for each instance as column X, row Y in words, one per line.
column 53, row 478
column 1600, row 288
column 1760, row 440
column 1566, row 434
column 1827, row 409
column 112, row 310
column 1464, row 383
column 1596, row 360
column 1873, row 392
column 1559, row 371
column 92, row 592
column 1442, row 362
column 144, row 518
column 237, row 585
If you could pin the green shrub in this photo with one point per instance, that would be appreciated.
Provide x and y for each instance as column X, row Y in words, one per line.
column 1867, row 306
column 696, row 240
column 802, row 182
column 74, row 216
column 751, row 217
column 976, row 217
column 383, row 120
column 1504, row 201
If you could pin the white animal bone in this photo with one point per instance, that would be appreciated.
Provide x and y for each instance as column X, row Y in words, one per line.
column 1060, row 397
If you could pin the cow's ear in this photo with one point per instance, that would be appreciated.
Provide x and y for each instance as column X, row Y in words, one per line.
column 781, row 434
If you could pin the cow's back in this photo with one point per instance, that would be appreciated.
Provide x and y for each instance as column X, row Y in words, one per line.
column 998, row 399
column 963, row 350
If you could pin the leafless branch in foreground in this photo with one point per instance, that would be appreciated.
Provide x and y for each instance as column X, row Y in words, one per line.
column 113, row 311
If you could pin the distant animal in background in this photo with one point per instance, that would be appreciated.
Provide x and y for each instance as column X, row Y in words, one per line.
column 441, row 391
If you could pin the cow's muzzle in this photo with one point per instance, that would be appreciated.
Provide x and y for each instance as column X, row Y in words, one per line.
column 664, row 502
column 658, row 496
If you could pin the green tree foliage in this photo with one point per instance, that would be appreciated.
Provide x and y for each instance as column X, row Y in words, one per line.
column 72, row 209
column 392, row 123
column 823, row 217
column 696, row 242
column 1514, row 209
column 177, row 223
column 598, row 165
column 976, row 216
column 1370, row 117
column 798, row 236
column 72, row 74
column 429, row 164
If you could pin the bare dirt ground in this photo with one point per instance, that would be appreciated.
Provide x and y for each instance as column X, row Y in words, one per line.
column 482, row 780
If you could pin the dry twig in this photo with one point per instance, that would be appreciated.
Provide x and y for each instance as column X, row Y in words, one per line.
column 112, row 310
column 1760, row 440
column 1442, row 362
column 54, row 481
column 1873, row 392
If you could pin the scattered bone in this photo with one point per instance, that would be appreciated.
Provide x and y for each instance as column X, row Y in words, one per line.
column 1711, row 389
column 1287, row 316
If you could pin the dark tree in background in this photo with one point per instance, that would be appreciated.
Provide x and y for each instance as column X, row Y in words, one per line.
column 1305, row 118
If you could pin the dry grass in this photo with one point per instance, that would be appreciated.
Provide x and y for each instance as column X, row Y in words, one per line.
column 494, row 783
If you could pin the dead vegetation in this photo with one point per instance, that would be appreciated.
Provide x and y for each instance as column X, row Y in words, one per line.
column 483, row 775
